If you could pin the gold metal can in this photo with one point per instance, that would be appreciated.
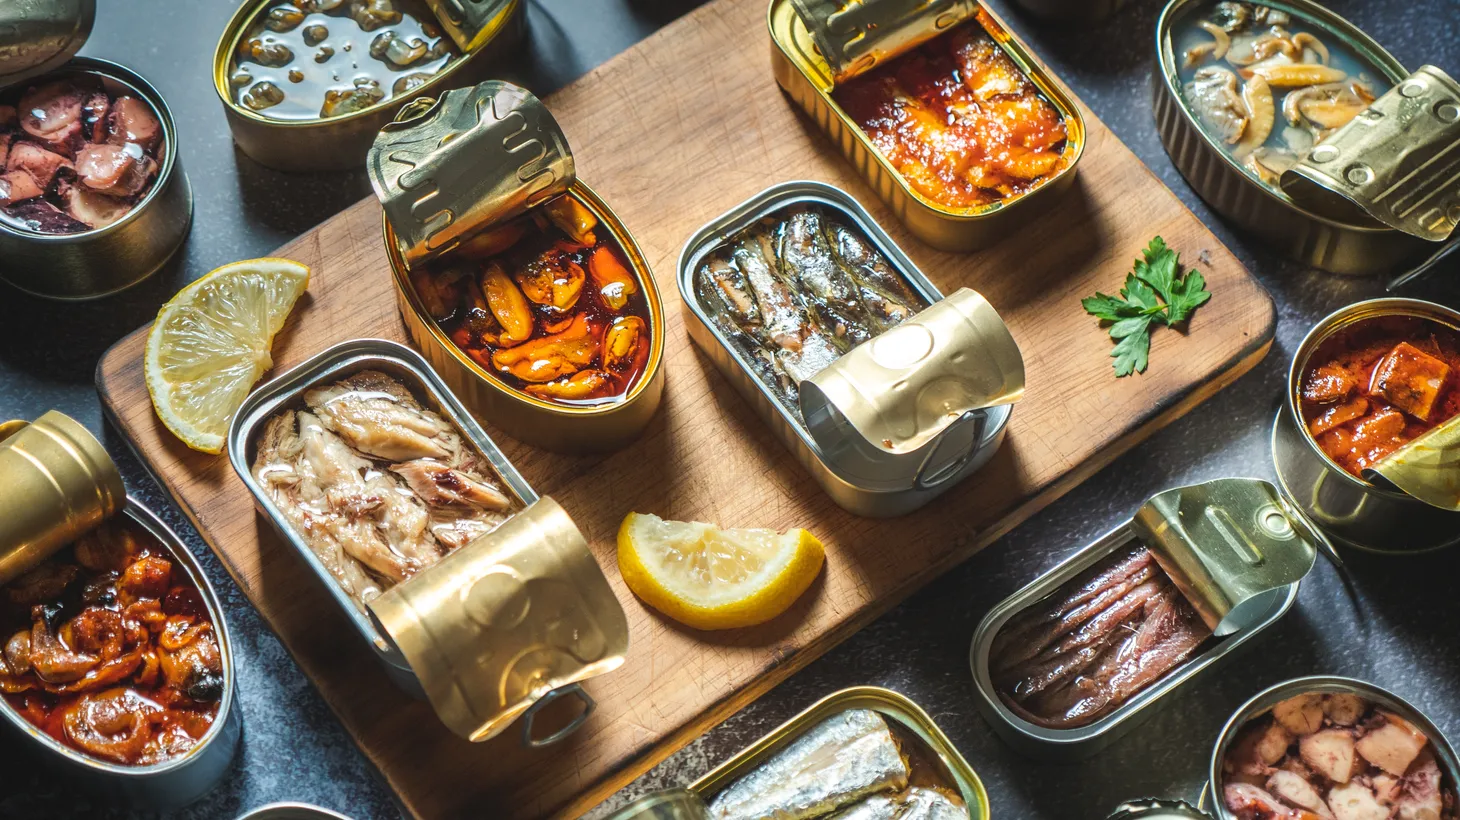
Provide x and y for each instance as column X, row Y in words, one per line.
column 483, row 31
column 59, row 483
column 807, row 76
column 480, row 172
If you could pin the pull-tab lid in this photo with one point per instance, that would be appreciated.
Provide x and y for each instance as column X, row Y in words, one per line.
column 1427, row 468
column 474, row 157
column 1157, row 810
column 856, row 35
column 896, row 395
column 37, row 36
column 471, row 23
column 498, row 624
column 1229, row 545
column 1397, row 162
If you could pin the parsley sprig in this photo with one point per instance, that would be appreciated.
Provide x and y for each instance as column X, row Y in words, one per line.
column 1156, row 291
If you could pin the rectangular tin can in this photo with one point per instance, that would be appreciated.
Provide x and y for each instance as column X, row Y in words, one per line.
column 176, row 782
column 804, row 75
column 1074, row 744
column 856, row 497
column 1331, row 244
column 340, row 143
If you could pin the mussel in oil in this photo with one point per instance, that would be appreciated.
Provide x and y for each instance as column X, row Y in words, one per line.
column 358, row 97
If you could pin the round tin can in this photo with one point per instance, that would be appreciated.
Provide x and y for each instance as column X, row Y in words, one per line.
column 102, row 261
column 1349, row 509
column 291, row 811
column 340, row 143
column 176, row 782
column 1317, row 684
column 1330, row 244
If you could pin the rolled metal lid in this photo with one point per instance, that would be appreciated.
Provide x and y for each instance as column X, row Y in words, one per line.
column 474, row 157
column 1397, row 162
column 471, row 23
column 37, row 36
column 1229, row 545
column 1158, row 810
column 1427, row 468
column 855, row 36
column 910, row 400
column 498, row 625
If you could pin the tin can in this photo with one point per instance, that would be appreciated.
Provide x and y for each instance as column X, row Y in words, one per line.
column 1318, row 684
column 38, row 41
column 1188, row 531
column 176, row 782
column 859, row 479
column 1339, row 245
column 1350, row 510
column 805, row 75
column 412, row 628
column 291, row 811
column 512, row 183
column 483, row 31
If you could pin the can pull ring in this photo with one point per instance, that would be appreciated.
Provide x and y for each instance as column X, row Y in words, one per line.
column 528, row 717
column 10, row 428
column 935, row 470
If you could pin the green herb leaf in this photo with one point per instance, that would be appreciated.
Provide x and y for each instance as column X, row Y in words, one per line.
column 1154, row 291
column 1132, row 353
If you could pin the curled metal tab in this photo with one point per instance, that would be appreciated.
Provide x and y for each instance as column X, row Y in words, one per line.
column 1397, row 162
column 472, row 158
column 903, row 392
column 1158, row 810
column 1229, row 545
column 856, row 35
column 471, row 23
column 37, row 36
column 505, row 620
column 1427, row 468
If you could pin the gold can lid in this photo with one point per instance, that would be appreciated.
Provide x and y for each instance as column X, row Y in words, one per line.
column 1229, row 545
column 471, row 24
column 855, row 36
column 1427, row 468
column 497, row 625
column 474, row 157
column 1394, row 163
column 37, row 36
column 903, row 396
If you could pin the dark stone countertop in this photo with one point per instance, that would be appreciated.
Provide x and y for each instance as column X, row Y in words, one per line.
column 1391, row 620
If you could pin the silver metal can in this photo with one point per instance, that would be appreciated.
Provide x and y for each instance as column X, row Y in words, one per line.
column 291, row 811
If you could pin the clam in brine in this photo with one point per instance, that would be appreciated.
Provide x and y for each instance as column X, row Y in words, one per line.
column 517, row 282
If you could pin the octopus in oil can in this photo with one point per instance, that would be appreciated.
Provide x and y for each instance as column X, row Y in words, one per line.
column 547, row 303
column 78, row 153
column 112, row 650
column 377, row 485
column 1265, row 86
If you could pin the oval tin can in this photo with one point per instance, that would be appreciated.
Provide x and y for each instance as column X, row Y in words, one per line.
column 340, row 143
column 1330, row 244
column 177, row 782
column 1351, row 510
column 804, row 74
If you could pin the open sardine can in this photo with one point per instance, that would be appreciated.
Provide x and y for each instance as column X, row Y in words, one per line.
column 819, row 45
column 475, row 159
column 289, row 75
column 98, row 252
column 928, row 754
column 496, row 630
column 1233, row 549
column 1376, row 195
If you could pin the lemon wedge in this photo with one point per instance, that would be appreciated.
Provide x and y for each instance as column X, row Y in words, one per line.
column 712, row 578
column 211, row 341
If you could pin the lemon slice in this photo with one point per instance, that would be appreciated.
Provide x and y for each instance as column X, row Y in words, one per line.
column 210, row 343
column 709, row 578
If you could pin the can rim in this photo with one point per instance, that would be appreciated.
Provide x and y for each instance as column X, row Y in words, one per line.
column 1344, row 317
column 1313, row 14
column 126, row 77
column 174, row 544
column 238, row 24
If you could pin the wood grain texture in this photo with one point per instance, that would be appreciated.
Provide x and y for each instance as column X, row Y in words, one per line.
column 669, row 154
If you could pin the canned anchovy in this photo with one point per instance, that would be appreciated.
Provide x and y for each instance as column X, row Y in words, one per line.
column 173, row 692
column 1311, row 744
column 1242, row 92
column 1365, row 380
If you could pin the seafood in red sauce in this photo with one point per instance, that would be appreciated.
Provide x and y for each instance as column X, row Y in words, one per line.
column 548, row 303
column 1379, row 384
column 78, row 153
column 1096, row 642
column 959, row 120
column 111, row 649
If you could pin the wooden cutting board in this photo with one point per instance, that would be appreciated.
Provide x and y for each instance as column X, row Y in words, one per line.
column 672, row 133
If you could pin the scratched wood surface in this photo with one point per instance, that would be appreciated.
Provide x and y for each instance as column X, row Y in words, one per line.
column 670, row 155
